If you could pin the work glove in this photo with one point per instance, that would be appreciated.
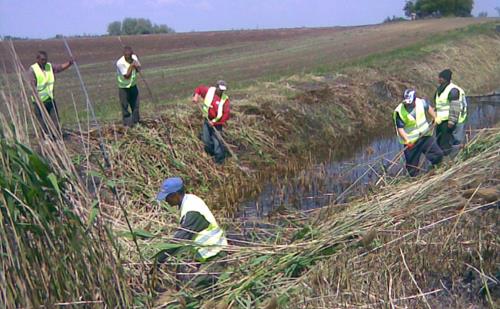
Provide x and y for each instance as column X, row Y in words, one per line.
column 438, row 120
column 409, row 146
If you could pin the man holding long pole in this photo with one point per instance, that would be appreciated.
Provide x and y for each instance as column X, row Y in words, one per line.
column 216, row 112
column 127, row 68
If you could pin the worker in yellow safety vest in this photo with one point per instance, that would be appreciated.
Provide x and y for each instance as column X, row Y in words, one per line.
column 451, row 109
column 412, row 127
column 127, row 69
column 42, row 75
column 198, row 225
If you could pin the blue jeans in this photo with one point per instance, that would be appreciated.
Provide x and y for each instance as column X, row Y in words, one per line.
column 213, row 146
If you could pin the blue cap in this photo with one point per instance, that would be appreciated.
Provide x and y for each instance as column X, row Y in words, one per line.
column 169, row 186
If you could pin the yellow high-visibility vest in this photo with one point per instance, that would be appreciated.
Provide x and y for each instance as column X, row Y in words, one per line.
column 211, row 240
column 443, row 104
column 415, row 127
column 44, row 81
column 207, row 104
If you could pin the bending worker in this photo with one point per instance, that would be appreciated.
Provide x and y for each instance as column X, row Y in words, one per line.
column 197, row 222
column 451, row 109
column 127, row 68
column 43, row 80
column 414, row 131
column 216, row 113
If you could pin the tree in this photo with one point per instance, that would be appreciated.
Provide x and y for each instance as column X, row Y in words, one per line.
column 133, row 26
column 409, row 8
column 162, row 29
column 482, row 14
column 143, row 26
column 115, row 28
column 498, row 10
column 129, row 26
column 424, row 8
column 393, row 19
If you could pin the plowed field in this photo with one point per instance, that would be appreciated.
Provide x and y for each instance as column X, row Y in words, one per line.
column 175, row 64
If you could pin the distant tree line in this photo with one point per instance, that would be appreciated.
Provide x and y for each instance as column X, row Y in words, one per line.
column 393, row 19
column 12, row 38
column 426, row 8
column 134, row 26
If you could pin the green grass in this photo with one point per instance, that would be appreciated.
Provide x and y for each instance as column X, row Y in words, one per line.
column 415, row 51
column 49, row 254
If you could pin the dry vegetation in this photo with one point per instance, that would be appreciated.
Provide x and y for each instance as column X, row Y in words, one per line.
column 413, row 244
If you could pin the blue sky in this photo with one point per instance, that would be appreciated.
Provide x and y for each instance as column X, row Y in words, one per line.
column 42, row 19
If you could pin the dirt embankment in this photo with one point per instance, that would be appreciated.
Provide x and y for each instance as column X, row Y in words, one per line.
column 276, row 125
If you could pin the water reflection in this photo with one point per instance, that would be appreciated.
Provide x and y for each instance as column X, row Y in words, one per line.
column 341, row 178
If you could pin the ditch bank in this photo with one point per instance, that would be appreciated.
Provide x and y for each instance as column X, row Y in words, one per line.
column 279, row 128
column 369, row 163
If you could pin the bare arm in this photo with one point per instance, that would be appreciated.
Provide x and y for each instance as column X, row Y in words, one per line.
column 403, row 135
column 432, row 113
column 133, row 66
column 58, row 68
column 66, row 65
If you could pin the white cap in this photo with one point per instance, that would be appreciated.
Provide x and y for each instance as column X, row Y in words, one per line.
column 222, row 85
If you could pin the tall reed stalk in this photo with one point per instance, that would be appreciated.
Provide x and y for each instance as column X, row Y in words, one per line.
column 54, row 249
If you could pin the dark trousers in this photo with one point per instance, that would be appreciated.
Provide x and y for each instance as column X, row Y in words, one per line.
column 129, row 97
column 51, row 108
column 202, row 275
column 213, row 146
column 450, row 139
column 427, row 146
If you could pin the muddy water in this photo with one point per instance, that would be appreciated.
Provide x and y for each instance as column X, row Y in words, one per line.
column 342, row 176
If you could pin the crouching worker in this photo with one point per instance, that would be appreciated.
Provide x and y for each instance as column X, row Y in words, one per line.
column 197, row 225
column 414, row 131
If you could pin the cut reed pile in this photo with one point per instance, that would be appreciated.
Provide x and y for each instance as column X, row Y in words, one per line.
column 412, row 244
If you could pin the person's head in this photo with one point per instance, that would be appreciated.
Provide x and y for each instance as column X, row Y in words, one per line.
column 128, row 52
column 444, row 76
column 171, row 191
column 41, row 58
column 409, row 97
column 221, row 86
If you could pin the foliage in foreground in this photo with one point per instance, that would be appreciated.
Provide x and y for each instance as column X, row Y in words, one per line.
column 48, row 255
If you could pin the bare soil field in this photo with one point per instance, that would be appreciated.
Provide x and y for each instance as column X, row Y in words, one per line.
column 174, row 64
